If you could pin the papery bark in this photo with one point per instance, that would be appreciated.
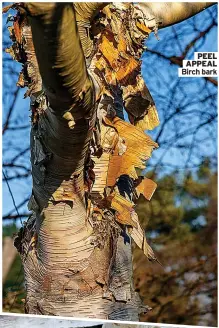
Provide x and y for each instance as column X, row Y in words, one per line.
column 65, row 273
column 76, row 247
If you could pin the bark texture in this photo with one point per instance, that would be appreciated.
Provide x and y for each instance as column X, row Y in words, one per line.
column 82, row 70
column 169, row 13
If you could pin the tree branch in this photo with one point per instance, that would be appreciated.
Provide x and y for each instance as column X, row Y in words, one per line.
column 16, row 216
column 6, row 124
column 60, row 56
column 169, row 13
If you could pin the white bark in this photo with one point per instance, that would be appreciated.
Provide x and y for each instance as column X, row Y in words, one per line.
column 65, row 273
column 169, row 13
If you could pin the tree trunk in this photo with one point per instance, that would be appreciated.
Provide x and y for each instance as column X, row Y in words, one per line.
column 65, row 272
column 76, row 247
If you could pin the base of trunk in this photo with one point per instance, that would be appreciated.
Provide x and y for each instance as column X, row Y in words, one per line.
column 98, row 290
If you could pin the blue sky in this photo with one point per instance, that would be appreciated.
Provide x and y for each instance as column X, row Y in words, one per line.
column 160, row 76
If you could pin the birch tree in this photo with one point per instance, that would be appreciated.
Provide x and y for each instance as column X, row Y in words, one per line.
column 81, row 65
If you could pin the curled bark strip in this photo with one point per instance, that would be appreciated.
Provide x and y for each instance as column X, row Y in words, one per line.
column 23, row 51
column 85, row 13
column 119, row 70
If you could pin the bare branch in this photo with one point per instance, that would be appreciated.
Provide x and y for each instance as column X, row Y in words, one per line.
column 169, row 13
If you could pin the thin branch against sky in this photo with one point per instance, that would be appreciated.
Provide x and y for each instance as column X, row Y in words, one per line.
column 174, row 136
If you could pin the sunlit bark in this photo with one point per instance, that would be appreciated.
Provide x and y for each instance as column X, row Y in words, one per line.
column 169, row 13
column 76, row 248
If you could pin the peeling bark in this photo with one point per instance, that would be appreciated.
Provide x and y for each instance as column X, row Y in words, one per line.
column 82, row 70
